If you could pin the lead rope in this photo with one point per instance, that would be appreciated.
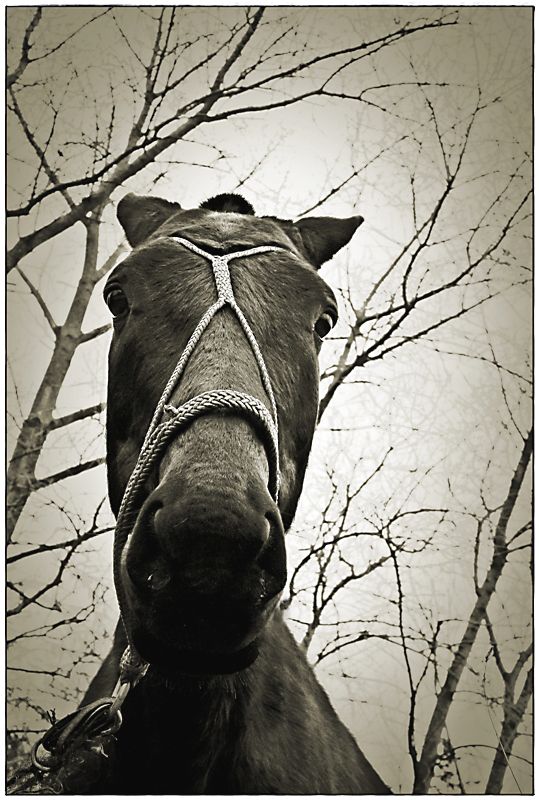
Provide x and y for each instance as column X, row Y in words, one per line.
column 132, row 666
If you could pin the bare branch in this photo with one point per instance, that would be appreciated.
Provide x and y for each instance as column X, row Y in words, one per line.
column 24, row 60
column 69, row 472
column 76, row 416
column 41, row 303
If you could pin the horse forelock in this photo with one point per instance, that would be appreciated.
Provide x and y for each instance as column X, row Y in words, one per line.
column 230, row 203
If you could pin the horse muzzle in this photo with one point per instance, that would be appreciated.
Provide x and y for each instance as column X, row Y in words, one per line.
column 203, row 572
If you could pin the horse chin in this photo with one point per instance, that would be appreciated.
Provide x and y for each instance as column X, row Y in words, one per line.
column 216, row 639
column 171, row 663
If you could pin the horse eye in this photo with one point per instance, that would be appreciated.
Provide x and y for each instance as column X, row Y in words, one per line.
column 117, row 302
column 324, row 324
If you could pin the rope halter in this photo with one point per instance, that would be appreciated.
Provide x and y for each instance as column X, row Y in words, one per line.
column 161, row 431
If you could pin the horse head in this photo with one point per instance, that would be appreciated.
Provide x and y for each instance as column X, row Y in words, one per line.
column 204, row 564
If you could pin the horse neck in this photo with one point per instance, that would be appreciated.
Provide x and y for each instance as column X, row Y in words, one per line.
column 206, row 707
column 193, row 726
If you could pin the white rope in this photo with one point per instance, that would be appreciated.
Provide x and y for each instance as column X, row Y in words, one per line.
column 132, row 666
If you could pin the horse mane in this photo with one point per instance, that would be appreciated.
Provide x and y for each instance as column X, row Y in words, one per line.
column 233, row 203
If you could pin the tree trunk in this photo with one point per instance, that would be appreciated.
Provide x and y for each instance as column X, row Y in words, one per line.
column 513, row 713
column 21, row 472
column 425, row 766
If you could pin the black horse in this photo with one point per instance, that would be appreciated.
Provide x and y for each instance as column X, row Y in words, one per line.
column 229, row 704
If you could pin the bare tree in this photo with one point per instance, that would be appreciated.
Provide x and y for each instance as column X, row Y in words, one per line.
column 437, row 652
column 417, row 303
column 104, row 100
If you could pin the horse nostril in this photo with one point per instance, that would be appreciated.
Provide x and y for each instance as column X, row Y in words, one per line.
column 272, row 557
column 145, row 564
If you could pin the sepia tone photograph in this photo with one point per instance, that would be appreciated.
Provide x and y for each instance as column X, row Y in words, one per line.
column 269, row 400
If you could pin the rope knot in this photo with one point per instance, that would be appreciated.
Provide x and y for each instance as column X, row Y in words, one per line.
column 132, row 667
column 223, row 282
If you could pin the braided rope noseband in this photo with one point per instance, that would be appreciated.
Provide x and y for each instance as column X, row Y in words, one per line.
column 160, row 432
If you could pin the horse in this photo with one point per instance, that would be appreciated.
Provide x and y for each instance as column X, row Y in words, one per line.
column 229, row 703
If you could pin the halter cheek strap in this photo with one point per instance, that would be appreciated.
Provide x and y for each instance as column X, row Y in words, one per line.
column 161, row 432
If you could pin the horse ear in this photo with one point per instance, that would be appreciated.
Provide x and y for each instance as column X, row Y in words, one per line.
column 324, row 236
column 140, row 216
